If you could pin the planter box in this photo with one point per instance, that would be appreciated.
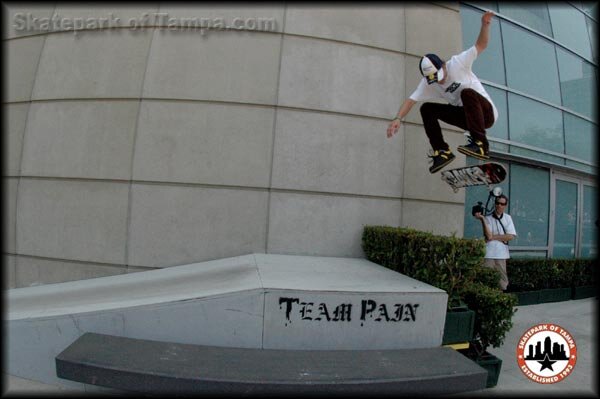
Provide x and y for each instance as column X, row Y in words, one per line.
column 585, row 291
column 527, row 297
column 459, row 326
column 555, row 295
column 493, row 365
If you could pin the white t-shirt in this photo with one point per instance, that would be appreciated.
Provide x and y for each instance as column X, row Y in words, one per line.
column 460, row 77
column 497, row 249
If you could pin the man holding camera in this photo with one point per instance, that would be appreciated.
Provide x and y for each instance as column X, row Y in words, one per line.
column 498, row 229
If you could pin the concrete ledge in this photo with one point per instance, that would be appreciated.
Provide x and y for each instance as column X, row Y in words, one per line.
column 155, row 367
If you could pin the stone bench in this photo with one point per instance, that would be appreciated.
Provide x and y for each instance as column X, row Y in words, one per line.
column 155, row 367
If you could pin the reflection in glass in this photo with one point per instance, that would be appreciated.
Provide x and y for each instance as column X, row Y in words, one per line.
column 528, row 254
column 565, row 220
column 533, row 15
column 569, row 27
column 535, row 124
column 500, row 127
column 577, row 84
column 530, row 63
column 489, row 65
column 580, row 138
column 529, row 205
column 589, row 229
column 592, row 27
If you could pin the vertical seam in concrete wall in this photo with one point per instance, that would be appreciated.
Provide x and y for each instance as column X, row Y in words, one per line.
column 274, row 132
column 401, row 219
column 18, row 187
column 135, row 135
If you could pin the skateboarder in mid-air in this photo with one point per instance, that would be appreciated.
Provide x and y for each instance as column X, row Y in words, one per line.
column 470, row 107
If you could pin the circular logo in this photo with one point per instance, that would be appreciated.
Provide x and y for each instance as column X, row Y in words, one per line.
column 546, row 353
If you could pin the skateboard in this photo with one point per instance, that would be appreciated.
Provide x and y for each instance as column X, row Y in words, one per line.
column 476, row 175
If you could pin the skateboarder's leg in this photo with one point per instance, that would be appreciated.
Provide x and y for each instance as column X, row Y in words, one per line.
column 479, row 115
column 432, row 113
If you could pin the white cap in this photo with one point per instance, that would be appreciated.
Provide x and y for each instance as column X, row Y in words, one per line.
column 431, row 68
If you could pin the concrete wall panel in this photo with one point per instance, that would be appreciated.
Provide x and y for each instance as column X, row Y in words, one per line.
column 339, row 77
column 333, row 153
column 37, row 271
column 426, row 216
column 204, row 143
column 8, row 272
column 228, row 66
column 9, row 214
column 93, row 64
column 91, row 16
column 22, row 57
column 90, row 139
column 370, row 25
column 231, row 15
column 418, row 182
column 72, row 220
column 320, row 225
column 14, row 129
column 16, row 19
column 178, row 225
column 433, row 29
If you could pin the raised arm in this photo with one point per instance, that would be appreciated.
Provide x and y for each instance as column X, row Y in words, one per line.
column 484, row 33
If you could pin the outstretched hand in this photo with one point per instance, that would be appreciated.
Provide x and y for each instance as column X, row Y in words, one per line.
column 393, row 128
column 486, row 19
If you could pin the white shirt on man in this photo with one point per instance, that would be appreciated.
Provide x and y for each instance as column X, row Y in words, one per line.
column 495, row 249
column 460, row 77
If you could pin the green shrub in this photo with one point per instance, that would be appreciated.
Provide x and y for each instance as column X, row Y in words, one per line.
column 493, row 314
column 584, row 272
column 537, row 274
column 447, row 263
column 487, row 276
column 452, row 264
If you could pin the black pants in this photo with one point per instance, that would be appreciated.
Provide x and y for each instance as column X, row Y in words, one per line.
column 475, row 115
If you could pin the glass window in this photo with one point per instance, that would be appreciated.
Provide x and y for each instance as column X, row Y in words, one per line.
column 500, row 127
column 535, row 124
column 592, row 27
column 529, row 205
column 591, row 7
column 580, row 138
column 490, row 64
column 533, row 15
column 570, row 29
column 565, row 220
column 590, row 222
column 577, row 84
column 476, row 194
column 530, row 63
column 528, row 254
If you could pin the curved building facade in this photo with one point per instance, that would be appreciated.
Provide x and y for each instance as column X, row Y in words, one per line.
column 541, row 69
column 135, row 140
column 164, row 145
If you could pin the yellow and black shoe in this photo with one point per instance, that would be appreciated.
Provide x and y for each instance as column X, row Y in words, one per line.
column 440, row 158
column 474, row 149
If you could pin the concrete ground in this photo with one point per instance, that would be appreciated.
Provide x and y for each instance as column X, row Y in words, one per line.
column 578, row 317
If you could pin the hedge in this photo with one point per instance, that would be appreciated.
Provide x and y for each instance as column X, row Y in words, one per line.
column 447, row 263
column 537, row 274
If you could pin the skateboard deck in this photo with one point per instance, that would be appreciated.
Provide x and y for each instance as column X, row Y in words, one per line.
column 476, row 175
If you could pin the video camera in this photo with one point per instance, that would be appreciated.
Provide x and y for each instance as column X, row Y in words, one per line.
column 479, row 208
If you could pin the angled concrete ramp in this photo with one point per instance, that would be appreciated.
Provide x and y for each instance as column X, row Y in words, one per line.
column 257, row 301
